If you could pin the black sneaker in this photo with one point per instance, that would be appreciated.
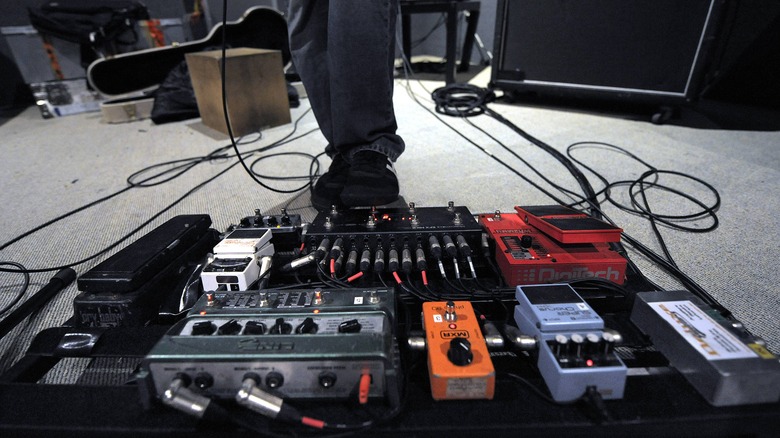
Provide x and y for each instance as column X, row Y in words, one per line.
column 371, row 180
column 326, row 191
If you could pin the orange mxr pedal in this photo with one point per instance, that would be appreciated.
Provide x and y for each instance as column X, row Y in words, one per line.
column 458, row 360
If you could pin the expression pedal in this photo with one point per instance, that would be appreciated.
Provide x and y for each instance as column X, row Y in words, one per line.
column 459, row 364
column 575, row 352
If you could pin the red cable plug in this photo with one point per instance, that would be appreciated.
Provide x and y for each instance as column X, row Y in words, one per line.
column 313, row 422
column 365, row 384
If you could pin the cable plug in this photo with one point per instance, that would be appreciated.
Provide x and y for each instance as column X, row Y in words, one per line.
column 594, row 406
column 449, row 246
column 269, row 405
column 379, row 261
column 434, row 247
column 419, row 256
column 335, row 250
column 406, row 260
column 351, row 265
column 179, row 397
column 485, row 245
column 322, row 249
column 392, row 262
column 365, row 260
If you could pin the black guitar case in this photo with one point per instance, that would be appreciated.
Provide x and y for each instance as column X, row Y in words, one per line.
column 259, row 27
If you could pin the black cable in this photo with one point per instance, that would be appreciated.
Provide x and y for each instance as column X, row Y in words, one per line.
column 132, row 183
column 462, row 100
column 590, row 200
column 582, row 180
column 287, row 178
column 538, row 391
column 22, row 289
column 639, row 186
column 61, row 280
column 643, row 209
column 595, row 210
column 506, row 165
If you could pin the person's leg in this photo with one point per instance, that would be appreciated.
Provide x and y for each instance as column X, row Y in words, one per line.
column 361, row 55
column 361, row 52
column 308, row 31
column 344, row 52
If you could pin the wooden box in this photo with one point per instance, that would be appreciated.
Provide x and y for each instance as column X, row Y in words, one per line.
column 255, row 88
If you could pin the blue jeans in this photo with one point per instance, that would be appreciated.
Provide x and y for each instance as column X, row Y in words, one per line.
column 344, row 51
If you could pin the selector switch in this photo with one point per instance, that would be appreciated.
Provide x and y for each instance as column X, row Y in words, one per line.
column 460, row 352
column 254, row 328
column 308, row 326
column 577, row 342
column 281, row 327
column 608, row 340
column 203, row 328
column 561, row 345
column 592, row 343
column 231, row 327
column 350, row 326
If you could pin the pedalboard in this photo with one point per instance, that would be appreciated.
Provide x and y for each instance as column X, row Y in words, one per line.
column 297, row 344
column 574, row 351
column 525, row 255
column 459, row 363
column 722, row 360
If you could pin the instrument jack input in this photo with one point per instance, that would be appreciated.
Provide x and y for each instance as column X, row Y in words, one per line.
column 327, row 379
column 274, row 380
column 203, row 381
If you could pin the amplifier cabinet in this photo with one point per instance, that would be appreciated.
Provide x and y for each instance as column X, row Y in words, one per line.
column 645, row 50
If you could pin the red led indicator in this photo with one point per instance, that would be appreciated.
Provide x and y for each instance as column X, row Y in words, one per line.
column 453, row 326
column 315, row 311
column 589, row 362
column 202, row 312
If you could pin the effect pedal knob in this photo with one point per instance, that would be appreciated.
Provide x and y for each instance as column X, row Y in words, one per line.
column 460, row 352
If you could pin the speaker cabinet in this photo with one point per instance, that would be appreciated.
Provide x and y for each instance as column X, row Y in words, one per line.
column 645, row 50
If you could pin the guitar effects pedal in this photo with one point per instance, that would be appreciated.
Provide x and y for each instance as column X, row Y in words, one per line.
column 459, row 364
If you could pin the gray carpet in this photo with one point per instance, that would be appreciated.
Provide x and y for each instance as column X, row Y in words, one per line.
column 53, row 166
